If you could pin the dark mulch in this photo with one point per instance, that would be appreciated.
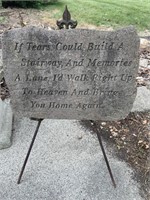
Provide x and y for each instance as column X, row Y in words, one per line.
column 130, row 137
column 130, row 140
column 143, row 77
column 4, row 91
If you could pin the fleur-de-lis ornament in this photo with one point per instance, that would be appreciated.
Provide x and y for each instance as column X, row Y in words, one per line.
column 66, row 22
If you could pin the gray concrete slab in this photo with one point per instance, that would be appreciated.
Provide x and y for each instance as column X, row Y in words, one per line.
column 66, row 164
column 1, row 59
column 1, row 67
column 6, row 118
column 142, row 100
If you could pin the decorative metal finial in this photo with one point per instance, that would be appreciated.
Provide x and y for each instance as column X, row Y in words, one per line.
column 66, row 21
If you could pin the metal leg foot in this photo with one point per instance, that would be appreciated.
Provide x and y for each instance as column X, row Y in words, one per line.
column 104, row 154
column 29, row 151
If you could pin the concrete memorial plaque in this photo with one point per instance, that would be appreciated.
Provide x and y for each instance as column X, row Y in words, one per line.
column 71, row 74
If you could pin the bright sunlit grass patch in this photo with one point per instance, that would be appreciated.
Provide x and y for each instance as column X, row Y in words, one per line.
column 115, row 13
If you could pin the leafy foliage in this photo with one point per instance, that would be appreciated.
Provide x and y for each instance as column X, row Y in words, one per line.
column 25, row 4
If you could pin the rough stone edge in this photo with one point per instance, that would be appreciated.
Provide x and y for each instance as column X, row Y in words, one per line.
column 6, row 126
column 129, row 29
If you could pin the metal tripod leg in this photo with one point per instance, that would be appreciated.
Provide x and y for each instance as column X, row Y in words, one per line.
column 104, row 154
column 29, row 151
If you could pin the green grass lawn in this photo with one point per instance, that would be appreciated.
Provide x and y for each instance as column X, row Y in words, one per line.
column 115, row 13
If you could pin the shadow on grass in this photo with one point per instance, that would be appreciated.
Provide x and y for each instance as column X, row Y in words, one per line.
column 52, row 4
column 128, row 7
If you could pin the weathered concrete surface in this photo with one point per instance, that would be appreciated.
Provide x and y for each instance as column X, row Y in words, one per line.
column 1, row 67
column 1, row 74
column 6, row 117
column 66, row 164
column 142, row 101
column 0, row 59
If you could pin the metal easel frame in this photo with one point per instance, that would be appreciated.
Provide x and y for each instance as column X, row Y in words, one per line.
column 67, row 23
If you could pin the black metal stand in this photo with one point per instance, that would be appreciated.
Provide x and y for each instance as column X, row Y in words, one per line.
column 34, row 137
column 104, row 154
column 67, row 23
column 30, row 148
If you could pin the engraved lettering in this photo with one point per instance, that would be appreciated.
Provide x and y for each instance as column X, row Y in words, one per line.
column 34, row 104
column 120, row 46
column 59, row 105
column 41, row 63
column 127, row 78
column 106, row 63
column 18, row 47
column 76, row 74
column 58, row 77
column 36, row 78
column 105, row 78
column 87, row 106
column 45, row 91
column 74, row 77
column 103, row 46
column 80, row 92
column 17, row 77
column 26, row 91
column 71, row 63
column 68, row 47
column 40, row 47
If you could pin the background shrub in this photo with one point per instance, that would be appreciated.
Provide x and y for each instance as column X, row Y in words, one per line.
column 25, row 4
